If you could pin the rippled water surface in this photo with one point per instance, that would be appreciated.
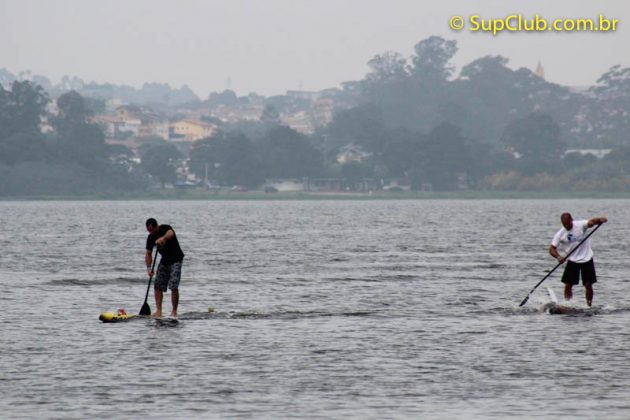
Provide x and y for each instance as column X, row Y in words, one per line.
column 333, row 309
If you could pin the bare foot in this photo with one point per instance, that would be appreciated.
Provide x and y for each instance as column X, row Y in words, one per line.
column 568, row 293
column 174, row 314
column 156, row 314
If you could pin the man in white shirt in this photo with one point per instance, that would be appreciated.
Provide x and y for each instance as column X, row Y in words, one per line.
column 581, row 260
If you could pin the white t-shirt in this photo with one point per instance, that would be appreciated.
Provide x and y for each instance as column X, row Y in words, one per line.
column 566, row 240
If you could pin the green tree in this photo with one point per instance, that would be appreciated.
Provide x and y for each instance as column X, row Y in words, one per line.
column 227, row 97
column 607, row 121
column 489, row 95
column 73, row 109
column 228, row 158
column 447, row 156
column 404, row 152
column 77, row 139
column 355, row 172
column 270, row 115
column 22, row 109
column 620, row 156
column 160, row 161
column 286, row 153
column 361, row 125
column 414, row 97
column 21, row 147
column 535, row 136
column 386, row 67
column 431, row 59
column 536, row 139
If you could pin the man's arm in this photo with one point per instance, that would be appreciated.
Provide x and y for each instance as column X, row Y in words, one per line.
column 553, row 251
column 167, row 236
column 148, row 259
column 596, row 221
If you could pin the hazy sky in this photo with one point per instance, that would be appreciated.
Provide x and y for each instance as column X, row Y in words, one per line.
column 269, row 46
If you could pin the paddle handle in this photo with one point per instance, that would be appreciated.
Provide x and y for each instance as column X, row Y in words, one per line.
column 146, row 296
column 558, row 265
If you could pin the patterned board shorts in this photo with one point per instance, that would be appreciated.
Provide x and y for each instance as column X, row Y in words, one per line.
column 168, row 275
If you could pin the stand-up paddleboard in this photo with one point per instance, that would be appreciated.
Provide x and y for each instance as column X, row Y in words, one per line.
column 166, row 320
column 118, row 316
column 554, row 308
column 121, row 316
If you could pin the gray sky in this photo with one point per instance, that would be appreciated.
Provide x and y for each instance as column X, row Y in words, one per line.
column 269, row 46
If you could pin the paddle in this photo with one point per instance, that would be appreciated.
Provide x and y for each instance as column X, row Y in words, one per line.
column 559, row 264
column 146, row 309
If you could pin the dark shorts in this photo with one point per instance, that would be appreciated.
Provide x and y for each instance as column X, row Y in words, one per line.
column 168, row 275
column 572, row 272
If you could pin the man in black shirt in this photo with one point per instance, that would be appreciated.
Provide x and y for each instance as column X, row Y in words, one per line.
column 170, row 268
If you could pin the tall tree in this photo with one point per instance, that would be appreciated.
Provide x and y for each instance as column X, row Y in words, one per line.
column 607, row 117
column 536, row 138
column 431, row 59
column 228, row 158
column 23, row 108
column 160, row 161
column 361, row 125
column 404, row 152
column 270, row 115
column 22, row 111
column 386, row 67
column 286, row 153
column 78, row 139
column 447, row 156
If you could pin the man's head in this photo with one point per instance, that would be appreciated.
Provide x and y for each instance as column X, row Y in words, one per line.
column 151, row 225
column 567, row 221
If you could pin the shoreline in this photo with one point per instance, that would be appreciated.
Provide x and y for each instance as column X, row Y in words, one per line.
column 195, row 195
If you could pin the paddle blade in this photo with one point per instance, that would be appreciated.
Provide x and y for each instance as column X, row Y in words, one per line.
column 145, row 310
column 524, row 301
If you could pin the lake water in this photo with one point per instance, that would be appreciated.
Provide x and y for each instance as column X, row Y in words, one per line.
column 323, row 309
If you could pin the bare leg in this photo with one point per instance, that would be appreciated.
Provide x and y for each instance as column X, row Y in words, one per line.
column 568, row 291
column 159, row 295
column 589, row 293
column 174, row 301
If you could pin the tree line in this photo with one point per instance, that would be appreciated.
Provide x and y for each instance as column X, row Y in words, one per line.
column 489, row 127
column 46, row 154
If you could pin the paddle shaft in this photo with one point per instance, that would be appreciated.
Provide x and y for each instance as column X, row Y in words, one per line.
column 558, row 265
column 146, row 296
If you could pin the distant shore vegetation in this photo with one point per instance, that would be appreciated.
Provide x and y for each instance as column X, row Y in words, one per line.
column 412, row 128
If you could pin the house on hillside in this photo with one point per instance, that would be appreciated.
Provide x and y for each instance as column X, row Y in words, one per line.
column 298, row 121
column 190, row 130
column 352, row 153
column 152, row 127
column 141, row 122
column 129, row 112
column 598, row 153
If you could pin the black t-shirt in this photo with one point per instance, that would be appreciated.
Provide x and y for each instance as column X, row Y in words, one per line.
column 170, row 252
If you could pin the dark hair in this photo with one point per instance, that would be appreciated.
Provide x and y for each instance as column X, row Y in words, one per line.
column 151, row 222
